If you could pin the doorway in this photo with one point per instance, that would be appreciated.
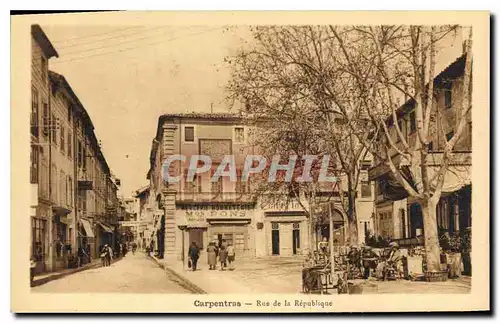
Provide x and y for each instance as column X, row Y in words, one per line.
column 196, row 236
column 275, row 239
column 296, row 238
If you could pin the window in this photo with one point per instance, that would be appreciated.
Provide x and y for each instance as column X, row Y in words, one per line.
column 84, row 159
column 449, row 135
column 448, row 95
column 71, row 189
column 63, row 139
column 430, row 146
column 217, row 186
column 402, row 128
column 191, row 187
column 38, row 227
column 413, row 122
column 34, row 112
column 366, row 189
column 79, row 153
column 43, row 64
column 69, row 113
column 241, row 187
column 34, row 165
column 46, row 120
column 189, row 134
column 70, row 144
column 275, row 226
column 239, row 135
column 54, row 129
column 365, row 164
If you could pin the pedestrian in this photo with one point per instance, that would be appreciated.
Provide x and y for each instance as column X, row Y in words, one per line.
column 224, row 245
column 211, row 255
column 32, row 269
column 103, row 256
column 223, row 256
column 230, row 256
column 110, row 257
column 194, row 254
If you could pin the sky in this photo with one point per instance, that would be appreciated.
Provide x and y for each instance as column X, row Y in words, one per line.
column 127, row 76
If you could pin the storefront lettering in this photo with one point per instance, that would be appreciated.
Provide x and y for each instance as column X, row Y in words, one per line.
column 200, row 215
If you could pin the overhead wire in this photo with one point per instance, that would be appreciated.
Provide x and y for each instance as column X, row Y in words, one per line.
column 135, row 47
column 111, row 37
column 115, row 44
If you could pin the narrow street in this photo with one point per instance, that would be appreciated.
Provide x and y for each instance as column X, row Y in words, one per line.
column 132, row 274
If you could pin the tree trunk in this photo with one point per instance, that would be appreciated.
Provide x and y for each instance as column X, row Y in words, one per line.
column 311, row 228
column 352, row 219
column 432, row 250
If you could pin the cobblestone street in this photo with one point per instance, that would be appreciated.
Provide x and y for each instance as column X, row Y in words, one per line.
column 132, row 274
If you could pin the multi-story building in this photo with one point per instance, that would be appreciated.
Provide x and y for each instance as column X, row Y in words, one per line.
column 145, row 216
column 398, row 216
column 203, row 211
column 41, row 218
column 75, row 189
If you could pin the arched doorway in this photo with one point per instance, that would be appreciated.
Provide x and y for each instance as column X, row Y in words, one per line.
column 339, row 228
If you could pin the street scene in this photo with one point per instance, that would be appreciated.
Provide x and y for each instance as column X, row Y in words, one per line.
column 317, row 159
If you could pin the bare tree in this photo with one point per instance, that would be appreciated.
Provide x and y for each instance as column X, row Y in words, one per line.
column 400, row 62
column 282, row 79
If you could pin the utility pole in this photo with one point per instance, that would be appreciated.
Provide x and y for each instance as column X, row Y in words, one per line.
column 330, row 241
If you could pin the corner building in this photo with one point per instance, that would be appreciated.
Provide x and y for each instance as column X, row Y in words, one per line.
column 202, row 211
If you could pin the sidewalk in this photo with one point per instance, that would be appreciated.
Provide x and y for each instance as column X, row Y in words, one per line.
column 284, row 275
column 260, row 275
column 44, row 278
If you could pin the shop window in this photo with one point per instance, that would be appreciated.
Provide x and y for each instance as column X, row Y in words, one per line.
column 38, row 237
column 34, row 112
column 189, row 134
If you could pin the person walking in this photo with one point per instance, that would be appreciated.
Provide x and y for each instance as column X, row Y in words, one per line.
column 230, row 256
column 223, row 256
column 110, row 255
column 212, row 256
column 104, row 256
column 194, row 254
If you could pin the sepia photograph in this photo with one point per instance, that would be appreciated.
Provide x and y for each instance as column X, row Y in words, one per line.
column 295, row 164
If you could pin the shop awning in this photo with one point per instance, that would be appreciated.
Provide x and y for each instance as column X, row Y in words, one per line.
column 229, row 221
column 88, row 228
column 105, row 227
column 456, row 177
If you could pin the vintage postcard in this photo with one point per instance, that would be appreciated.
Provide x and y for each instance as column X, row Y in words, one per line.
column 250, row 162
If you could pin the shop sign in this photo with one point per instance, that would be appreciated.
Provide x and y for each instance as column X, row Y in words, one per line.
column 195, row 214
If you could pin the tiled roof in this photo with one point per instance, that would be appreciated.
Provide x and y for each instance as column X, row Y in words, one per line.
column 202, row 115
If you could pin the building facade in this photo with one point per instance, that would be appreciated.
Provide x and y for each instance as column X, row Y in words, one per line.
column 399, row 217
column 203, row 211
column 76, row 196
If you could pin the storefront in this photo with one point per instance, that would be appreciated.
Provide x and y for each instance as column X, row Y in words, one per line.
column 39, row 236
column 215, row 222
column 86, row 238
